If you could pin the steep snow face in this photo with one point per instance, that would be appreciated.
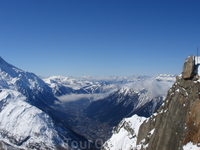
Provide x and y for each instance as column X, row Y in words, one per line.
column 124, row 134
column 26, row 83
column 25, row 126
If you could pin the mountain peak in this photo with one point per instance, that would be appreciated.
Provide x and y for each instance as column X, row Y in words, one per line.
column 13, row 78
column 8, row 68
column 2, row 61
column 1, row 58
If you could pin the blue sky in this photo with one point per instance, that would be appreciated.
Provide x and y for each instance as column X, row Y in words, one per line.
column 99, row 37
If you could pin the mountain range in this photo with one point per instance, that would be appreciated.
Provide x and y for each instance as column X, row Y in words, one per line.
column 63, row 112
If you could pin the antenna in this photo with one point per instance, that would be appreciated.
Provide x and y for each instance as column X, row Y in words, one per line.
column 197, row 54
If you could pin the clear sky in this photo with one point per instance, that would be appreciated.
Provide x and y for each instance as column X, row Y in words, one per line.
column 99, row 37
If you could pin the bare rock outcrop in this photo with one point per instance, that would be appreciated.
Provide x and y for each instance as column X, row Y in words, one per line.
column 188, row 68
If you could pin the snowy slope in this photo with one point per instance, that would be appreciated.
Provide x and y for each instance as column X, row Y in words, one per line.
column 124, row 134
column 25, row 126
column 26, row 83
column 190, row 146
column 11, row 77
column 27, row 117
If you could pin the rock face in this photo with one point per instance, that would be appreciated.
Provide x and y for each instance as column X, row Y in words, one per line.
column 188, row 68
column 177, row 121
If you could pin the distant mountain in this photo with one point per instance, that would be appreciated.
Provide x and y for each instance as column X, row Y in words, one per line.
column 142, row 98
column 88, row 85
column 165, row 77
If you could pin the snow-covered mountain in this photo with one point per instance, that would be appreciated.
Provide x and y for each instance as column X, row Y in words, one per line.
column 65, row 85
column 24, row 126
column 142, row 98
column 88, row 85
column 29, row 84
column 27, row 117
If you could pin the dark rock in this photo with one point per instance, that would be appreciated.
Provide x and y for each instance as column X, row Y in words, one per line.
column 188, row 68
column 177, row 121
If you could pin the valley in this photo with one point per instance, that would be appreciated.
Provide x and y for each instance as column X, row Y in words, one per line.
column 82, row 109
column 107, row 101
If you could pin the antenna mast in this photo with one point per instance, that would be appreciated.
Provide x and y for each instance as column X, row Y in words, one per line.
column 197, row 54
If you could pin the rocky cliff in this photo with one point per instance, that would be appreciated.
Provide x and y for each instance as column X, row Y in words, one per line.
column 176, row 124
